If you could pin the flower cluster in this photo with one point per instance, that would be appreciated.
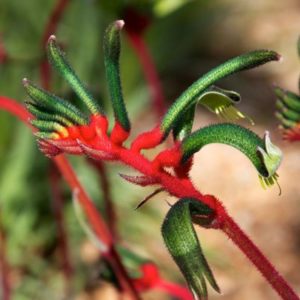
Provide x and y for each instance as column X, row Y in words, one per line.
column 63, row 128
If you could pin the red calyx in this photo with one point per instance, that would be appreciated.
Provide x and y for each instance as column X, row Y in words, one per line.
column 147, row 140
column 167, row 158
column 118, row 134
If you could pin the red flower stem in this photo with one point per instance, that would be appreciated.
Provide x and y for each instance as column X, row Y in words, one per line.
column 258, row 259
column 57, row 197
column 105, row 188
column 50, row 29
column 149, row 71
column 4, row 268
column 95, row 219
column 181, row 188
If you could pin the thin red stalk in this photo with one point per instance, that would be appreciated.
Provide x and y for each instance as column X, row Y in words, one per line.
column 149, row 70
column 258, row 259
column 50, row 28
column 95, row 219
column 108, row 202
column 57, row 197
column 4, row 268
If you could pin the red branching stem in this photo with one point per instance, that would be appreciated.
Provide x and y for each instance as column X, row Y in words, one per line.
column 110, row 212
column 180, row 188
column 94, row 218
column 59, row 217
column 149, row 70
column 258, row 259
column 50, row 28
column 4, row 268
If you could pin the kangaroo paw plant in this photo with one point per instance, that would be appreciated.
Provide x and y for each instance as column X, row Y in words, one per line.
column 288, row 105
column 63, row 128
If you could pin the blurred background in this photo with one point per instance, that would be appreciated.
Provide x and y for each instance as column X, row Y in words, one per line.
column 185, row 39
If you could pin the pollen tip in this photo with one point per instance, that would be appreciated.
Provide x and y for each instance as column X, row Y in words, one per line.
column 52, row 38
column 279, row 58
column 25, row 81
column 119, row 24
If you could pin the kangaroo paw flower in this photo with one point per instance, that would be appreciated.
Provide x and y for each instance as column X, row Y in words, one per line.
column 264, row 155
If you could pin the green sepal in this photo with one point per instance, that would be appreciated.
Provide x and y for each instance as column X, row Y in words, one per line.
column 222, row 102
column 47, row 116
column 184, row 124
column 190, row 96
column 265, row 156
column 46, row 135
column 58, row 60
column 289, row 99
column 50, row 126
column 286, row 123
column 53, row 103
column 112, row 48
column 181, row 240
column 288, row 113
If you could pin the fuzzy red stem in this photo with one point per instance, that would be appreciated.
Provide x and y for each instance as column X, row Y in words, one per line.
column 184, row 188
column 4, row 268
column 61, row 231
column 235, row 233
column 95, row 219
column 108, row 202
column 149, row 71
column 50, row 28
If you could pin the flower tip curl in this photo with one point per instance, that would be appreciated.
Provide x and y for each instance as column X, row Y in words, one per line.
column 119, row 24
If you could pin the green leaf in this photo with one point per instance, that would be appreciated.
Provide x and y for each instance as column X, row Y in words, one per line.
column 190, row 96
column 182, row 242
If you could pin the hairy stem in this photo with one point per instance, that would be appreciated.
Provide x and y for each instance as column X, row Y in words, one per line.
column 235, row 233
column 177, row 187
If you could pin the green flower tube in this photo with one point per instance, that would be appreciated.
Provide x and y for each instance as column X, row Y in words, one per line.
column 264, row 155
column 181, row 240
